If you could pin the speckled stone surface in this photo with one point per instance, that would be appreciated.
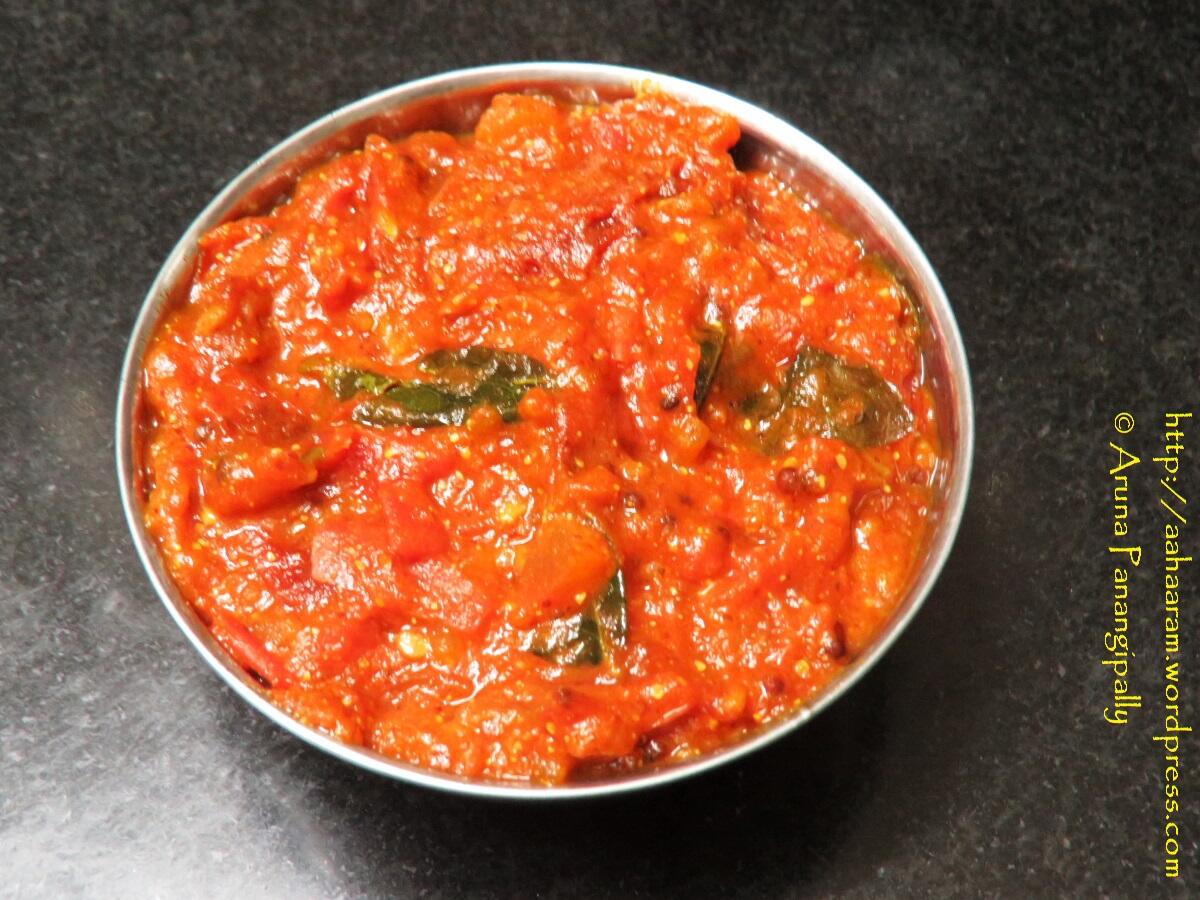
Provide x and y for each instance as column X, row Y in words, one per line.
column 1046, row 160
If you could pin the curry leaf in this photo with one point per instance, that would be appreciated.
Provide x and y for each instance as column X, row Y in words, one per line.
column 827, row 397
column 586, row 638
column 571, row 641
column 473, row 365
column 414, row 404
column 611, row 610
column 496, row 377
column 460, row 381
column 504, row 394
column 346, row 381
column 712, row 343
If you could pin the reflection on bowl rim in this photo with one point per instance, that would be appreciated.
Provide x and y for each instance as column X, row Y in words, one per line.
column 949, row 376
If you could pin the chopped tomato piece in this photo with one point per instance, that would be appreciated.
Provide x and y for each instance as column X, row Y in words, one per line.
column 446, row 595
column 248, row 651
column 348, row 556
column 566, row 563
column 414, row 531
column 254, row 478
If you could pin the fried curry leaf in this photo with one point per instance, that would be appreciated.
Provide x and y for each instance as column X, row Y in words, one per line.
column 828, row 397
column 345, row 381
column 573, row 641
column 496, row 377
column 712, row 343
column 460, row 381
column 415, row 404
column 588, row 637
column 472, row 365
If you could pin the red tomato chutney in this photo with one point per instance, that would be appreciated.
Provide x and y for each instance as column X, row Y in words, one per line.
column 544, row 452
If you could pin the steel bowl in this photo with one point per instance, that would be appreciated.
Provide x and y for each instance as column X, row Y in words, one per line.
column 454, row 102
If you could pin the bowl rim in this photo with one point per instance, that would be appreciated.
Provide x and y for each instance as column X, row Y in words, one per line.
column 752, row 119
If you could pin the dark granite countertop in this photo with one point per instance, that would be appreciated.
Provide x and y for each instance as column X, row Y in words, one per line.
column 1047, row 161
